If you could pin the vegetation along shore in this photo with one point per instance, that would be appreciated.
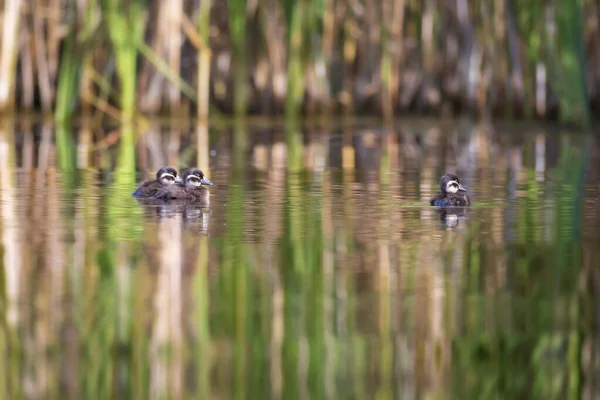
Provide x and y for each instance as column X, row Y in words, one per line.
column 112, row 58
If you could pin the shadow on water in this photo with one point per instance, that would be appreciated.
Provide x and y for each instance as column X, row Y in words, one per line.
column 317, row 271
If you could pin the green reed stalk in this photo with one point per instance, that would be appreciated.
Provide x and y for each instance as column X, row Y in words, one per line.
column 126, row 162
column 357, row 359
column 292, row 310
column 231, row 292
column 333, row 289
column 96, row 315
column 125, row 25
column 5, row 370
column 69, row 71
column 388, row 65
column 294, row 11
column 204, row 57
column 202, row 307
column 140, row 357
column 98, row 336
column 124, row 221
column 259, row 384
column 8, row 54
column 75, row 53
column 239, row 261
column 66, row 153
column 574, row 371
column 293, row 257
column 237, row 33
column 241, row 290
column 315, row 296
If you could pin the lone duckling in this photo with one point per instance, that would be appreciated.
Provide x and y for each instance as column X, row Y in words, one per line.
column 190, row 190
column 452, row 193
column 165, row 177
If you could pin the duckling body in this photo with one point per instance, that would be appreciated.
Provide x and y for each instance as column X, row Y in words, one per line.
column 191, row 190
column 165, row 177
column 181, row 192
column 452, row 193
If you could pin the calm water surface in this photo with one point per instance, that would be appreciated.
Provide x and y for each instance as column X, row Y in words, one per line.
column 317, row 271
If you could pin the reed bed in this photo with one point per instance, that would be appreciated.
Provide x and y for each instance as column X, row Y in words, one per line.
column 525, row 59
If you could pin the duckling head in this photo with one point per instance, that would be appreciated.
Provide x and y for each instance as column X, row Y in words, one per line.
column 194, row 178
column 168, row 176
column 451, row 184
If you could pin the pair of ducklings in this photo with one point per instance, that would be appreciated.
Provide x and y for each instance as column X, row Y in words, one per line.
column 168, row 185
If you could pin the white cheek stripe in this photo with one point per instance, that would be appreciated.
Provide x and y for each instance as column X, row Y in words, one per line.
column 450, row 188
column 194, row 181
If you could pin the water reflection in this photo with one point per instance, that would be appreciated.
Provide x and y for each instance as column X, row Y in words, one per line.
column 452, row 216
column 318, row 271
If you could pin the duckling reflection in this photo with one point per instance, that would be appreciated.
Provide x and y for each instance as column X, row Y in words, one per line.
column 166, row 176
column 451, row 216
column 191, row 191
column 195, row 217
column 452, row 193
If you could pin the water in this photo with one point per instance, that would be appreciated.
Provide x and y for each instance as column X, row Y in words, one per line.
column 318, row 271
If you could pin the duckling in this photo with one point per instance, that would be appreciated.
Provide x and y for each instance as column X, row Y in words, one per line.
column 165, row 176
column 452, row 193
column 190, row 190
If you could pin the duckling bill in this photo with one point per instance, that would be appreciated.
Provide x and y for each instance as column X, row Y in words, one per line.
column 192, row 189
column 166, row 176
column 452, row 193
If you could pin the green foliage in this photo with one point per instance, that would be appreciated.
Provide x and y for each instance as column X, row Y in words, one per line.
column 553, row 34
column 125, row 23
column 569, row 60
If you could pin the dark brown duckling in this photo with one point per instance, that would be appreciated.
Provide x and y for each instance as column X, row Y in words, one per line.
column 191, row 190
column 452, row 193
column 166, row 176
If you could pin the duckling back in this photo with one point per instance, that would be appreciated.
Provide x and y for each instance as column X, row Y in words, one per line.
column 148, row 189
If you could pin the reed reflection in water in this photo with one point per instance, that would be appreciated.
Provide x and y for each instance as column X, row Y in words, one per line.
column 318, row 271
